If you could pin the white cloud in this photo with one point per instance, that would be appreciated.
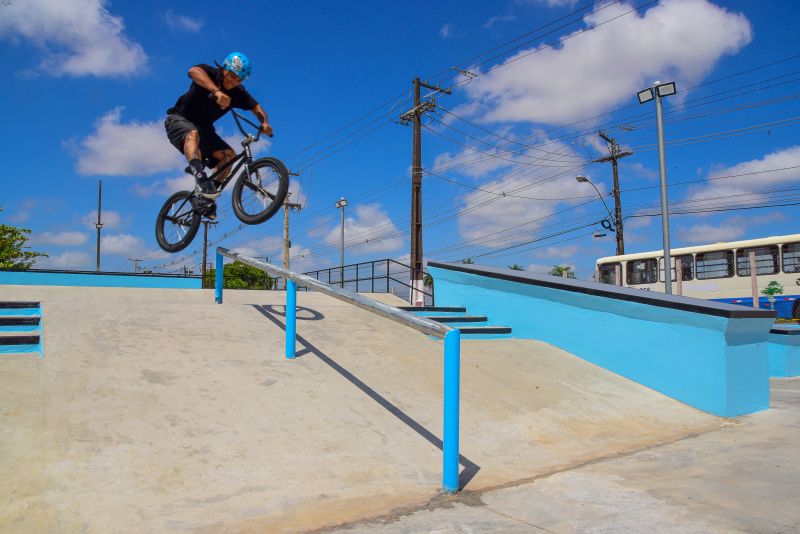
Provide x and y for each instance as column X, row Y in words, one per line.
column 556, row 3
column 750, row 183
column 59, row 238
column 182, row 23
column 711, row 233
column 557, row 252
column 270, row 246
column 121, row 244
column 446, row 30
column 74, row 260
column 110, row 219
column 370, row 231
column 75, row 37
column 550, row 86
column 508, row 17
column 132, row 149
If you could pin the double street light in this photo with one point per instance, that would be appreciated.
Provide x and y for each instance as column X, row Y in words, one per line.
column 341, row 205
column 657, row 92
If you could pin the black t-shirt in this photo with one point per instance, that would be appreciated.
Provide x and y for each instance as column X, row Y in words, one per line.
column 201, row 109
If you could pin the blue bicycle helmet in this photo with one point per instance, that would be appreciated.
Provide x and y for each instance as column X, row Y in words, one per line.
column 239, row 64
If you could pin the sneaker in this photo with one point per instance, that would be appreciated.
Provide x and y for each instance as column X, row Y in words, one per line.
column 211, row 211
column 205, row 186
column 206, row 207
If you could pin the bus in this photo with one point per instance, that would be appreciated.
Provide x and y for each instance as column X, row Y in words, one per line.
column 719, row 271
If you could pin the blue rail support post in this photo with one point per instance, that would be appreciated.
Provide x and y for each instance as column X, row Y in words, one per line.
column 291, row 317
column 218, row 280
column 452, row 384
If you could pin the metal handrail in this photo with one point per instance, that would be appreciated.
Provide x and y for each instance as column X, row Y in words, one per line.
column 384, row 310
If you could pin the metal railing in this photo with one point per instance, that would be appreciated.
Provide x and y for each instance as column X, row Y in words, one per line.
column 451, row 336
column 378, row 276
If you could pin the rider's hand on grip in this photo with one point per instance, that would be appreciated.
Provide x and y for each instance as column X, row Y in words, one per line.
column 222, row 99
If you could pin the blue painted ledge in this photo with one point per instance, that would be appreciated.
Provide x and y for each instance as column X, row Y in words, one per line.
column 709, row 355
column 94, row 279
column 784, row 351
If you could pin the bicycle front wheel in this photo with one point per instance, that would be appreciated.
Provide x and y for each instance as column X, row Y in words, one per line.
column 177, row 222
column 260, row 190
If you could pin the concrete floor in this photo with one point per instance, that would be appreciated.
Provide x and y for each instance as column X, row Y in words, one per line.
column 157, row 410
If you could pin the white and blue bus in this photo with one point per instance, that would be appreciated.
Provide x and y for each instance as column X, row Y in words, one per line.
column 720, row 271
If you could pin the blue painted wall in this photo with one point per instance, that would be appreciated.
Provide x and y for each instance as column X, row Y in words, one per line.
column 713, row 362
column 784, row 353
column 45, row 278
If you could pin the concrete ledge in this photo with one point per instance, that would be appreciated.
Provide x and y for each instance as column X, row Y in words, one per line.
column 784, row 351
column 94, row 279
column 710, row 355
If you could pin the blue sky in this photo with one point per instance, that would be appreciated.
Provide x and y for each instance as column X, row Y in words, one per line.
column 86, row 86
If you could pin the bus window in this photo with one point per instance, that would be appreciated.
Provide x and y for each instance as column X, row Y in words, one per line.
column 642, row 272
column 766, row 260
column 791, row 258
column 608, row 273
column 687, row 267
column 718, row 264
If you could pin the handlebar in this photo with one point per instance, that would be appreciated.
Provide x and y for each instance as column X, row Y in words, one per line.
column 236, row 117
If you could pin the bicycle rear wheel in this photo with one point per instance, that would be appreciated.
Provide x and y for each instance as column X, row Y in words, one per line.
column 260, row 190
column 177, row 222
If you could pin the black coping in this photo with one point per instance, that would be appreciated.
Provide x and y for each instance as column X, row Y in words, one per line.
column 433, row 308
column 19, row 321
column 19, row 340
column 785, row 331
column 652, row 298
column 457, row 318
column 12, row 304
column 484, row 329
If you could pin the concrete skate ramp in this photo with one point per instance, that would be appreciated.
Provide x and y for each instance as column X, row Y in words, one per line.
column 157, row 410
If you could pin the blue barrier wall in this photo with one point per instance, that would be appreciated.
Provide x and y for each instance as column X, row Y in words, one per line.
column 710, row 355
column 91, row 279
column 784, row 351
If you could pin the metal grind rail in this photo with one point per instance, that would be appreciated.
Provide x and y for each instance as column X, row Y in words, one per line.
column 451, row 336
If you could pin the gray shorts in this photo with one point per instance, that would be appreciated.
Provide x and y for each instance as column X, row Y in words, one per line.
column 178, row 126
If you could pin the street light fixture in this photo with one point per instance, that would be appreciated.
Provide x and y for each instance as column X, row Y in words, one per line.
column 608, row 224
column 657, row 92
column 341, row 205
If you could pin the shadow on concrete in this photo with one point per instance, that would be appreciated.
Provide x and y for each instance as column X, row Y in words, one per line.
column 303, row 314
column 470, row 469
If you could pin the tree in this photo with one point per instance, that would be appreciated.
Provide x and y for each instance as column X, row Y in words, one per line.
column 12, row 243
column 516, row 267
column 564, row 271
column 238, row 275
column 772, row 289
column 427, row 280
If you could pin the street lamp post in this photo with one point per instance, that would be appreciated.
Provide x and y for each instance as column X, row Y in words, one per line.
column 341, row 205
column 657, row 92
column 585, row 180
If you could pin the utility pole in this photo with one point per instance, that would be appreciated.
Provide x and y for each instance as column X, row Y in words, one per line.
column 205, row 249
column 99, row 224
column 614, row 157
column 414, row 115
column 135, row 264
column 287, row 243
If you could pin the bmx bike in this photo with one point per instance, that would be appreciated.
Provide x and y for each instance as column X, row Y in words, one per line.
column 259, row 191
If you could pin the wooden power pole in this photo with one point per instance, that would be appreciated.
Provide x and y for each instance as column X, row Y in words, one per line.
column 614, row 156
column 414, row 116
column 287, row 243
column 205, row 249
column 99, row 223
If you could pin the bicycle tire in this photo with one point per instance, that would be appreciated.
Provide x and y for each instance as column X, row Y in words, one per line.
column 186, row 223
column 264, row 203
